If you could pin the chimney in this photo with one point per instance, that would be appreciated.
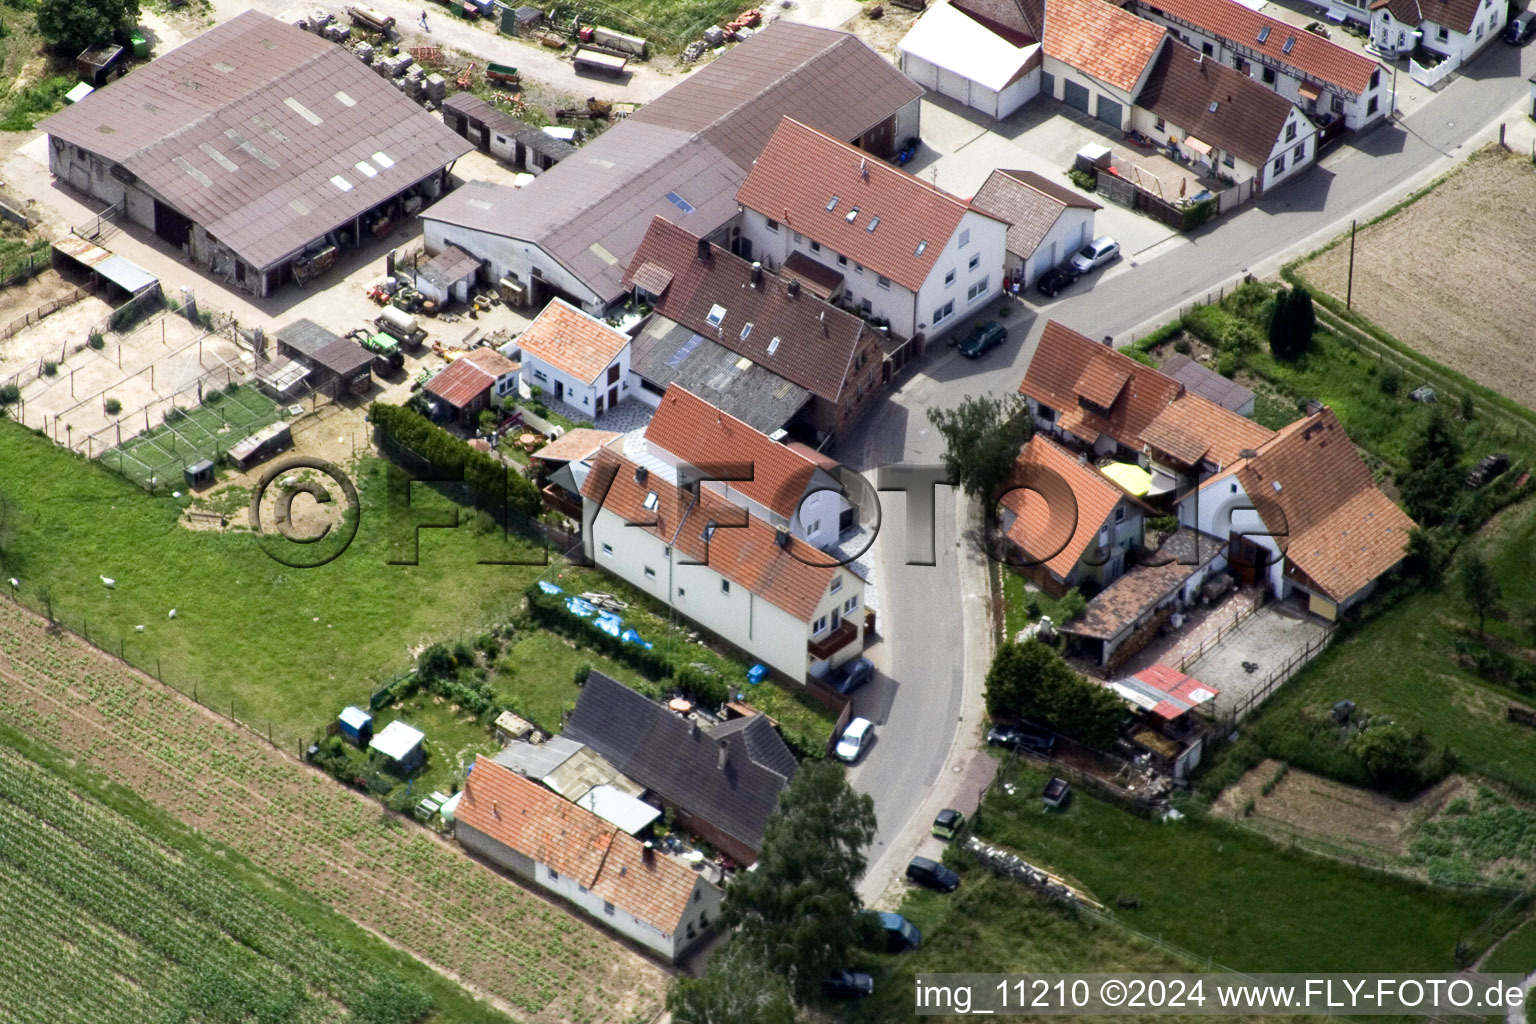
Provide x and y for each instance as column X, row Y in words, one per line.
column 693, row 726
column 495, row 810
column 703, row 250
column 641, row 473
column 757, row 274
column 1109, row 341
column 648, row 852
column 725, row 753
column 792, row 287
column 781, row 536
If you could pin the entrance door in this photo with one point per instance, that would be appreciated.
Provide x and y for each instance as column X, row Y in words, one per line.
column 559, row 391
column 171, row 225
column 613, row 397
column 1074, row 95
column 599, row 410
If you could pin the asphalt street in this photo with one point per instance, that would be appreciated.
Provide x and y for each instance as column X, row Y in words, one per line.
column 922, row 655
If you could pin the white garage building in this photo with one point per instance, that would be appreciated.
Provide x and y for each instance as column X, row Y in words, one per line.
column 957, row 54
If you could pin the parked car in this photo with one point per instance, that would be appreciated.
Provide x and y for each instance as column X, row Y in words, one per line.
column 1024, row 735
column 1055, row 279
column 934, row 875
column 900, row 934
column 1057, row 793
column 1520, row 28
column 948, row 823
column 848, row 985
column 854, row 739
column 983, row 337
column 853, row 675
column 1096, row 253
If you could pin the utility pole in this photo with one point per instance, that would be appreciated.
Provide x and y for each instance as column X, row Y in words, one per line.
column 1349, row 294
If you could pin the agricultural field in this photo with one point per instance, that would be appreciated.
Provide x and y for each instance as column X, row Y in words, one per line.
column 1237, row 891
column 156, row 924
column 1463, row 299
column 532, row 960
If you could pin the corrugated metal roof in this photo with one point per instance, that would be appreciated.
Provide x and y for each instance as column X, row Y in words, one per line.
column 261, row 96
column 697, row 140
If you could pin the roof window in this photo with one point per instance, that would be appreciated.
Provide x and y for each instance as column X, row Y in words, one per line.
column 1213, row 106
column 874, row 222
column 851, row 214
column 679, row 202
column 1288, row 44
column 650, row 500
column 773, row 346
column 1263, row 34
column 716, row 314
column 832, row 204
column 746, row 330
column 921, row 248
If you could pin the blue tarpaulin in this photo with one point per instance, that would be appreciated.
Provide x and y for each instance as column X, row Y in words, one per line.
column 609, row 623
column 549, row 588
column 629, row 636
column 580, row 607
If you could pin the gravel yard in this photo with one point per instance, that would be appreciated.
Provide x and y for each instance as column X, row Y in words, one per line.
column 1447, row 274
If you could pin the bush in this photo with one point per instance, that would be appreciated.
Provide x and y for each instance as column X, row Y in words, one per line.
column 1390, row 381
column 1030, row 680
column 1088, row 181
column 549, row 610
column 1182, row 346
column 113, row 406
column 579, row 677
column 1291, row 323
column 96, row 340
column 9, row 393
column 50, row 368
column 1196, row 214
column 491, row 482
column 1226, row 364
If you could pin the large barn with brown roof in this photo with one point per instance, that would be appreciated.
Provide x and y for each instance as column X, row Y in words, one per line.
column 573, row 231
column 645, row 895
column 252, row 148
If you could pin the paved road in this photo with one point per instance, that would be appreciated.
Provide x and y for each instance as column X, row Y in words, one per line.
column 923, row 651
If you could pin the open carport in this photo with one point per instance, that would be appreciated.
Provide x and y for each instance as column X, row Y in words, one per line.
column 123, row 279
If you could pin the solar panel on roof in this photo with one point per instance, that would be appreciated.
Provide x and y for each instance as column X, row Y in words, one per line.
column 685, row 351
column 679, row 202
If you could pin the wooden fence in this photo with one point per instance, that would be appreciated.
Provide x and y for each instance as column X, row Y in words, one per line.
column 1210, row 642
column 1278, row 676
column 47, row 309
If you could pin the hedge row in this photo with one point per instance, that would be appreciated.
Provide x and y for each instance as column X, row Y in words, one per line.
column 490, row 481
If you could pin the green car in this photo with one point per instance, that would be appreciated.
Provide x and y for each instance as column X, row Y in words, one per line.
column 948, row 824
column 982, row 337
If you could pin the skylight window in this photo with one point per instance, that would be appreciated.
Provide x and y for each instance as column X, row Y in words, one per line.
column 679, row 202
column 716, row 315
column 650, row 500
column 773, row 346
column 746, row 330
column 1263, row 34
column 1288, row 44
column 1213, row 106
column 921, row 248
column 366, row 170
column 383, row 160
column 851, row 215
column 709, row 529
column 341, row 183
column 874, row 222
column 832, row 204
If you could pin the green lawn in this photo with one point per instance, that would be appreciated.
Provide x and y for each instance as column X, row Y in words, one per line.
column 1017, row 598
column 1516, row 954
column 202, row 432
column 1232, row 895
column 289, row 646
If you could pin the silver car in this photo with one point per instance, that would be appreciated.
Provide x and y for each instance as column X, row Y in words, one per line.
column 1096, row 253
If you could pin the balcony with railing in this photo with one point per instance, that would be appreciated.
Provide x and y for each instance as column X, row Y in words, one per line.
column 834, row 641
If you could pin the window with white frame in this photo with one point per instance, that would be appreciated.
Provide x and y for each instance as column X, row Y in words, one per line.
column 650, row 573
column 1290, row 132
column 1299, row 153
column 819, row 626
column 975, row 261
column 725, row 586
column 842, row 261
column 965, row 238
column 540, row 375
column 949, row 279
column 815, row 247
column 773, row 226
column 650, row 500
column 977, row 290
column 883, row 281
column 851, row 605
column 1279, row 163
column 837, row 584
column 608, row 550
column 944, row 312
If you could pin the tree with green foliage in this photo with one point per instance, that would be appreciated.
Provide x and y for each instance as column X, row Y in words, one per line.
column 738, row 988
column 74, row 25
column 1030, row 680
column 1291, row 323
column 798, row 913
column 1391, row 754
column 1480, row 588
column 1424, row 559
column 982, row 438
column 1433, row 486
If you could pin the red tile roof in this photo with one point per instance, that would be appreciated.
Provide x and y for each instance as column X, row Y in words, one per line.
column 571, row 341
column 1058, row 504
column 1064, row 357
column 1183, row 87
column 1309, row 53
column 1458, row 15
column 1312, row 489
column 800, row 338
column 1193, row 428
column 802, row 170
column 524, row 816
column 576, row 444
column 1030, row 203
column 708, row 440
column 743, row 548
column 1101, row 40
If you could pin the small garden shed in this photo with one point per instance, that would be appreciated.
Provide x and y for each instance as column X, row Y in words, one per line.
column 402, row 745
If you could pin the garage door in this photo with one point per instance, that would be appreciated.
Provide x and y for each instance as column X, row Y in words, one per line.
column 1074, row 95
column 955, row 86
column 1109, row 111
column 1045, row 258
column 920, row 71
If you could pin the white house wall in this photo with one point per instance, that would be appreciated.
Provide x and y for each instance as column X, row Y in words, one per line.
column 1072, row 230
column 1221, row 509
column 578, row 394
column 988, row 239
column 1239, row 170
column 1391, row 34
column 506, row 256
column 1299, row 153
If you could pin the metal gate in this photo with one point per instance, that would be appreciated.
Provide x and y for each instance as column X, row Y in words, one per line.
column 1110, row 112
column 1074, row 95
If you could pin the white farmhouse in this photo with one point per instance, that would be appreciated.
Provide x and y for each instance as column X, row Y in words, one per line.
column 895, row 247
column 575, row 358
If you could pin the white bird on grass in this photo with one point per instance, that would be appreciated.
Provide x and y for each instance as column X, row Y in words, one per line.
column 173, row 613
column 108, row 582
column 15, row 583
